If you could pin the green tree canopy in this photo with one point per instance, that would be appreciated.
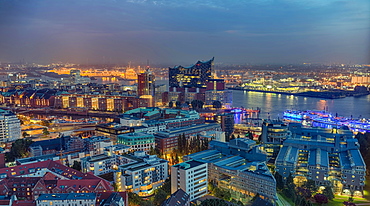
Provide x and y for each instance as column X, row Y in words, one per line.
column 159, row 197
column 213, row 202
column 19, row 149
column 76, row 165
column 170, row 104
column 328, row 192
column 217, row 104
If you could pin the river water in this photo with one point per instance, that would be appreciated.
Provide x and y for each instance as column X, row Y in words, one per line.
column 273, row 105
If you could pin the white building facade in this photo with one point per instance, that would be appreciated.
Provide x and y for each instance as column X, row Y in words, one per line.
column 190, row 176
column 10, row 126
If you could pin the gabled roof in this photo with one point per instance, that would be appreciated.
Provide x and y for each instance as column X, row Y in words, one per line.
column 52, row 166
column 179, row 198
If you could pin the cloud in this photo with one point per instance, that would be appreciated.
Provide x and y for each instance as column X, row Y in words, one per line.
column 179, row 29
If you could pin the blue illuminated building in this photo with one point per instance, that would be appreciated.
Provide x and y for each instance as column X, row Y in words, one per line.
column 329, row 157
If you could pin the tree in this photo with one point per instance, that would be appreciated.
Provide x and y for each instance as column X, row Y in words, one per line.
column 328, row 192
column 213, row 202
column 178, row 105
column 279, row 181
column 76, row 165
column 304, row 192
column 25, row 135
column 167, row 186
column 170, row 104
column 152, row 151
column 231, row 137
column 159, row 197
column 320, row 199
column 146, row 203
column 311, row 185
column 197, row 104
column 217, row 104
column 289, row 180
column 134, row 199
column 249, row 135
column 45, row 131
column 45, row 123
column 19, row 149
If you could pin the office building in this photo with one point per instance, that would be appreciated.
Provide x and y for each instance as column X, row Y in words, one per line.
column 10, row 126
column 216, row 91
column 146, row 83
column 226, row 120
column 194, row 76
column 137, row 141
column 190, row 176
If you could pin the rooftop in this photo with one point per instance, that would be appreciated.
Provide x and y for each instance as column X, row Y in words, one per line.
column 71, row 196
column 189, row 164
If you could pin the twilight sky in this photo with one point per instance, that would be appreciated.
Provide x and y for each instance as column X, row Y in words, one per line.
column 184, row 31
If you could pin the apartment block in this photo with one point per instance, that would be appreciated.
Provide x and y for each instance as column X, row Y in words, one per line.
column 240, row 167
column 141, row 173
column 10, row 126
column 190, row 176
column 326, row 156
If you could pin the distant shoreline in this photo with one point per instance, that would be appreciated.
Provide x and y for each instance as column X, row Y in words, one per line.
column 325, row 95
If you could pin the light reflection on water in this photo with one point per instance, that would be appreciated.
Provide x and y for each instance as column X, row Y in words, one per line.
column 274, row 105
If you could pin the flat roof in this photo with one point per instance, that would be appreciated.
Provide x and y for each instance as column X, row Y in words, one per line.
column 189, row 164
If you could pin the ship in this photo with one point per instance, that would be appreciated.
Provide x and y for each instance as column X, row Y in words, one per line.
column 326, row 120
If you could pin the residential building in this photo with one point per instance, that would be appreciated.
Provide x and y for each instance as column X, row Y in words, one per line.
column 31, row 180
column 141, row 173
column 100, row 102
column 190, row 176
column 274, row 132
column 34, row 98
column 178, row 198
column 326, row 156
column 10, row 126
column 83, row 199
column 100, row 164
column 112, row 199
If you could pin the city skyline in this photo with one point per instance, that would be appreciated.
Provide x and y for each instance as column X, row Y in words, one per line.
column 175, row 32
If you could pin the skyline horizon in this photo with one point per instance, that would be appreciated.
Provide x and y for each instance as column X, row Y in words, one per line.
column 187, row 64
column 175, row 33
